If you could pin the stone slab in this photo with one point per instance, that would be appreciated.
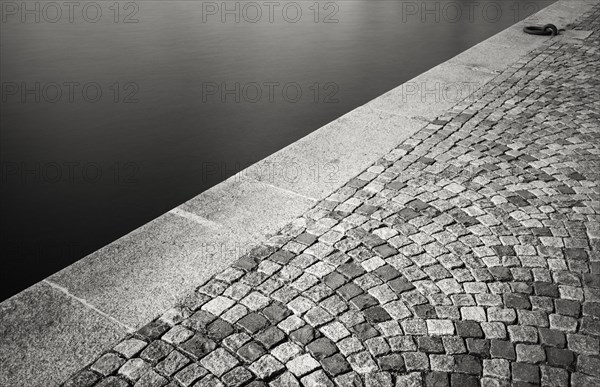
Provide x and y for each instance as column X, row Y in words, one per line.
column 45, row 336
column 150, row 269
column 251, row 207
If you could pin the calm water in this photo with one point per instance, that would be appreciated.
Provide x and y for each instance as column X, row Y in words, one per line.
column 106, row 124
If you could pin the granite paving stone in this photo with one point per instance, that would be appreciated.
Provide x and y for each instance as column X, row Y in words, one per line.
column 133, row 369
column 190, row 374
column 107, row 364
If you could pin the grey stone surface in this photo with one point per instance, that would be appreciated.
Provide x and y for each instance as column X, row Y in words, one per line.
column 45, row 336
column 152, row 268
column 248, row 207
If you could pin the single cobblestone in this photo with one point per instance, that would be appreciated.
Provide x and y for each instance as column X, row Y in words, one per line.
column 467, row 256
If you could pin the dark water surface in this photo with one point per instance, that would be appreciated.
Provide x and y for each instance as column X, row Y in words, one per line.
column 80, row 170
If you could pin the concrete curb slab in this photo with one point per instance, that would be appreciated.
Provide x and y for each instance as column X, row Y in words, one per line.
column 45, row 336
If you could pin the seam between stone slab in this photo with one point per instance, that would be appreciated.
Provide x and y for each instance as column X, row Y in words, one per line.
column 86, row 304
column 194, row 217
column 47, row 335
column 424, row 120
column 285, row 190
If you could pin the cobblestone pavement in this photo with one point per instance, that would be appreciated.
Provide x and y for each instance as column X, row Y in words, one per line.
column 467, row 256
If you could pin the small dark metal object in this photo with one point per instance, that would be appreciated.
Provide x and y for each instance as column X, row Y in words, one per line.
column 548, row 29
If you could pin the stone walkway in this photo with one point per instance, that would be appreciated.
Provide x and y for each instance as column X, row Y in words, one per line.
column 467, row 256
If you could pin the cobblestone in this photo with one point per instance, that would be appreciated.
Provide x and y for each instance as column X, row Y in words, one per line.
column 467, row 256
